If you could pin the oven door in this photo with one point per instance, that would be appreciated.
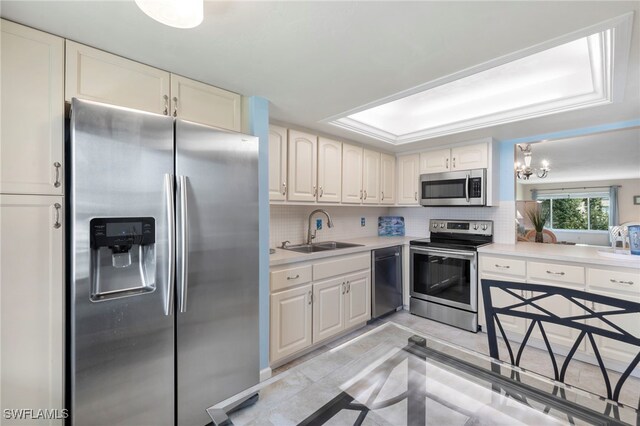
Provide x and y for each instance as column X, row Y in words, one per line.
column 464, row 188
column 447, row 277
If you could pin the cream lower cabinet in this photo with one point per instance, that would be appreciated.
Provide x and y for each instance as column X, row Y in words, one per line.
column 32, row 111
column 312, row 302
column 31, row 303
column 291, row 321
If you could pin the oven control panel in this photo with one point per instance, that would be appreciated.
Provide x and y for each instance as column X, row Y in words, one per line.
column 479, row 227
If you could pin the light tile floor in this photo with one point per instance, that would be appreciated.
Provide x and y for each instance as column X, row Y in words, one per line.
column 310, row 372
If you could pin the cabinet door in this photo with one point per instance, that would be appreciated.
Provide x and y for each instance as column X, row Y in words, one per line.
column 32, row 302
column 435, row 161
column 351, row 174
column 100, row 76
column 32, row 111
column 387, row 179
column 277, row 163
column 469, row 157
column 357, row 298
column 205, row 104
column 612, row 349
column 303, row 154
column 328, row 308
column 558, row 336
column 408, row 177
column 371, row 177
column 511, row 325
column 329, row 171
column 290, row 321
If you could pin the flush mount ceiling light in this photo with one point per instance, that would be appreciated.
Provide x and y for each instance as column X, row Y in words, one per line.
column 525, row 171
column 174, row 13
column 579, row 70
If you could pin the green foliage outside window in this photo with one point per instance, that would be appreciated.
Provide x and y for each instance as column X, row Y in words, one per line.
column 577, row 213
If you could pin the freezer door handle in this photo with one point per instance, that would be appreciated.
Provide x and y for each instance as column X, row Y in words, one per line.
column 171, row 239
column 184, row 243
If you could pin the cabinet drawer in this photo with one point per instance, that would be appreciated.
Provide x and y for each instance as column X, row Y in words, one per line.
column 627, row 281
column 503, row 266
column 283, row 278
column 556, row 272
column 341, row 265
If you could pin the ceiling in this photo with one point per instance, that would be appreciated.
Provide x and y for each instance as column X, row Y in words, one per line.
column 314, row 60
column 598, row 157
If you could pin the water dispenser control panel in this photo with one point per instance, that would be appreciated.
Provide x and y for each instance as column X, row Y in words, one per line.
column 122, row 232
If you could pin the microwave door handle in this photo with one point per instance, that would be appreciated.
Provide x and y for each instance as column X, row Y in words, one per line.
column 466, row 188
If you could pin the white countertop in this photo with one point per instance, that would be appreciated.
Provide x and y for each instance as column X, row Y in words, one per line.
column 283, row 257
column 560, row 252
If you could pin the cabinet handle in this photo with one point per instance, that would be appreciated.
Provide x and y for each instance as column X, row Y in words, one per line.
column 415, row 195
column 57, row 223
column 365, row 194
column 382, row 196
column 348, row 286
column 447, row 164
column 555, row 273
column 321, row 192
column 294, row 278
column 315, row 191
column 166, row 104
column 284, row 188
column 344, row 288
column 361, row 194
column 310, row 297
column 175, row 106
column 593, row 305
column 503, row 266
column 621, row 282
column 57, row 181
column 453, row 162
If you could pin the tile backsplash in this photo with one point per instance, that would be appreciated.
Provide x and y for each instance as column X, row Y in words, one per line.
column 290, row 223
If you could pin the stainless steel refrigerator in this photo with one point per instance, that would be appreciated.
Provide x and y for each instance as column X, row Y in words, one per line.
column 162, row 267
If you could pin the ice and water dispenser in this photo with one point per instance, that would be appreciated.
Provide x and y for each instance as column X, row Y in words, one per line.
column 123, row 257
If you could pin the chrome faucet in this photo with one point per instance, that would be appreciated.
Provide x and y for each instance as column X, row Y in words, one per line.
column 311, row 233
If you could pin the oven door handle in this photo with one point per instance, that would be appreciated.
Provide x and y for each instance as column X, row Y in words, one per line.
column 437, row 252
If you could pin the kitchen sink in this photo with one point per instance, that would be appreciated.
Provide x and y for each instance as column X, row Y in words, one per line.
column 316, row 247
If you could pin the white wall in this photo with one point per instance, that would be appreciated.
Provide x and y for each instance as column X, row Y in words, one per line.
column 290, row 223
column 503, row 217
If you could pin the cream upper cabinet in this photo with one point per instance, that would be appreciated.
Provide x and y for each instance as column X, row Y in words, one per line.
column 469, row 157
column 387, row 179
column 328, row 308
column 205, row 104
column 351, row 174
column 435, row 161
column 357, row 298
column 32, row 302
column 408, row 177
column 303, row 151
column 277, row 163
column 103, row 77
column 32, row 111
column 371, row 177
column 329, row 171
column 290, row 321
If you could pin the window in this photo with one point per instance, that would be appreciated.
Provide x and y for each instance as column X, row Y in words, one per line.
column 576, row 211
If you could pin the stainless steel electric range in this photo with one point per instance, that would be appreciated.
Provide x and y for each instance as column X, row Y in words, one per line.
column 444, row 271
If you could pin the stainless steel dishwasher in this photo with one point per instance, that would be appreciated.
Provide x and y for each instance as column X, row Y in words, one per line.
column 386, row 271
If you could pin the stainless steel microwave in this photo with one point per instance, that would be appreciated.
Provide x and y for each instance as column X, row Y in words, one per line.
column 463, row 188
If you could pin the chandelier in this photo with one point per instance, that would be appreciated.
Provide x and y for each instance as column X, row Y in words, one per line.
column 525, row 171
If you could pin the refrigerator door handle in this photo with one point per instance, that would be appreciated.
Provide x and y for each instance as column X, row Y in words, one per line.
column 184, row 243
column 171, row 239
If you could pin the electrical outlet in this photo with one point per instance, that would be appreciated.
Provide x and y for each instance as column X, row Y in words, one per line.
column 318, row 223
column 362, row 221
